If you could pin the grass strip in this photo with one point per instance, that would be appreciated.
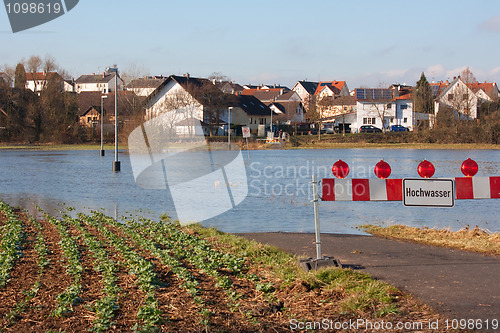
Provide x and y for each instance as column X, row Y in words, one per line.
column 475, row 240
column 359, row 292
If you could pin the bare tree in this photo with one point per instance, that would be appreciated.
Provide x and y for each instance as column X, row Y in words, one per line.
column 9, row 74
column 133, row 72
column 33, row 65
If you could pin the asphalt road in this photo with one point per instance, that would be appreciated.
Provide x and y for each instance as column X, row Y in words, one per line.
column 458, row 284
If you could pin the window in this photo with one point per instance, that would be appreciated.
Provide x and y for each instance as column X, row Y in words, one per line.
column 404, row 106
column 405, row 120
column 368, row 121
column 392, row 120
column 450, row 97
column 389, row 105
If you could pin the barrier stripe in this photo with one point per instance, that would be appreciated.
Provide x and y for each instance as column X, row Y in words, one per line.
column 375, row 189
column 495, row 187
column 464, row 188
column 360, row 189
column 394, row 189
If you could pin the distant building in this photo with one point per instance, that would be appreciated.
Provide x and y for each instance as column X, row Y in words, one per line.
column 305, row 90
column 145, row 86
column 37, row 82
column 103, row 83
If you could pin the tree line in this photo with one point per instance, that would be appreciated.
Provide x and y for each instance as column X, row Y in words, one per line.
column 28, row 117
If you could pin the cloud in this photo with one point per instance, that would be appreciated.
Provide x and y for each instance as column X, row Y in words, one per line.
column 492, row 24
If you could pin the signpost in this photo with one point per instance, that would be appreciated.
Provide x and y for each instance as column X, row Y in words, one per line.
column 429, row 192
column 246, row 135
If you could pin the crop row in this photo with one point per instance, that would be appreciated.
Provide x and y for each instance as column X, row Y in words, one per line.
column 149, row 313
column 188, row 281
column 107, row 305
column 11, row 242
column 71, row 295
column 42, row 262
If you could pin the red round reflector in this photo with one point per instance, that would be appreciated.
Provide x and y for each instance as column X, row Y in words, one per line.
column 425, row 169
column 340, row 169
column 469, row 168
column 382, row 170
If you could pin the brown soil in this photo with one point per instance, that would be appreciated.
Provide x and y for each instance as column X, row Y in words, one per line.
column 254, row 311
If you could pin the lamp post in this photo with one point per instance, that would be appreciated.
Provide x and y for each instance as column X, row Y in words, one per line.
column 229, row 127
column 116, row 163
column 102, row 122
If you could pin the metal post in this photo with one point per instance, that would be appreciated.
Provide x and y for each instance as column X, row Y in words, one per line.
column 316, row 216
column 229, row 128
column 102, row 124
column 116, row 163
column 248, row 149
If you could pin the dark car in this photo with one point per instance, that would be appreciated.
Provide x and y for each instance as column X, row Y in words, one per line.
column 314, row 131
column 369, row 129
column 399, row 128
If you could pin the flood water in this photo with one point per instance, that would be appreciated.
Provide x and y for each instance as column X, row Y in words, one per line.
column 279, row 190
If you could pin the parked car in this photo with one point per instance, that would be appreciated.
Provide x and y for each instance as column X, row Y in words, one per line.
column 314, row 131
column 399, row 128
column 369, row 129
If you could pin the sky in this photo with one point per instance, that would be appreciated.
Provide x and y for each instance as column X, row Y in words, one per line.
column 365, row 43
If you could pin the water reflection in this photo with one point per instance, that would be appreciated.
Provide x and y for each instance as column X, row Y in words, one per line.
column 279, row 190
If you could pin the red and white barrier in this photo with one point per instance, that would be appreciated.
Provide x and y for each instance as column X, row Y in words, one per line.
column 392, row 189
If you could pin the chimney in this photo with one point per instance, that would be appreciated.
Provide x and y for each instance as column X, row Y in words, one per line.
column 103, row 74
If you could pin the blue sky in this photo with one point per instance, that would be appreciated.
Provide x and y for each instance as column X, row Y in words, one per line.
column 366, row 43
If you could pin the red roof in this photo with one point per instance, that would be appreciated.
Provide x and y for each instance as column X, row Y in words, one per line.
column 40, row 76
column 405, row 96
column 333, row 84
column 487, row 87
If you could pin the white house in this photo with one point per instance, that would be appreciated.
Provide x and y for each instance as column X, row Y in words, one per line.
column 104, row 83
column 145, row 86
column 174, row 93
column 36, row 82
column 460, row 98
column 182, row 92
column 305, row 90
column 381, row 108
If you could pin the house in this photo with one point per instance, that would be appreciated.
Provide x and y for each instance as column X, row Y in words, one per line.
column 251, row 112
column 485, row 91
column 458, row 97
column 305, row 90
column 264, row 95
column 198, row 100
column 91, row 117
column 288, row 107
column 145, row 86
column 341, row 110
column 103, row 83
column 177, row 92
column 228, row 87
column 331, row 89
column 129, row 104
column 36, row 82
column 383, row 107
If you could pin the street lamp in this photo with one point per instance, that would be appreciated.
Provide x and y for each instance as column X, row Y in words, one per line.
column 102, row 117
column 116, row 163
column 229, row 127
